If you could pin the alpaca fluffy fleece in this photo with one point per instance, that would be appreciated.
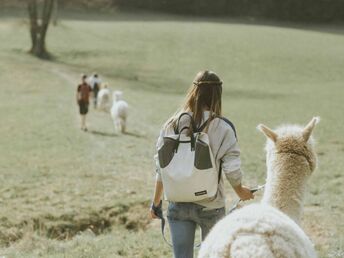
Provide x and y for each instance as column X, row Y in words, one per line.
column 104, row 99
column 290, row 160
column 271, row 229
column 119, row 111
column 257, row 231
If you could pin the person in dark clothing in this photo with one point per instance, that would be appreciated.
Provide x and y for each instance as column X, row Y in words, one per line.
column 94, row 81
column 82, row 98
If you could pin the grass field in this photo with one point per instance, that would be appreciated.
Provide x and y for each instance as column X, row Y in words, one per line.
column 66, row 193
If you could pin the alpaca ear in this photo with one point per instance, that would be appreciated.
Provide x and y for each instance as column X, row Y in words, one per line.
column 307, row 131
column 268, row 132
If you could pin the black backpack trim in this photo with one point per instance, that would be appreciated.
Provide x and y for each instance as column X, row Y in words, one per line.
column 201, row 128
column 192, row 123
column 230, row 124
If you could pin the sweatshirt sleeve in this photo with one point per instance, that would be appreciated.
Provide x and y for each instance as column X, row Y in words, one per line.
column 231, row 159
column 159, row 143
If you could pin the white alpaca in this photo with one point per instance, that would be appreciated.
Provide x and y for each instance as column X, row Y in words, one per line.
column 104, row 99
column 119, row 111
column 270, row 229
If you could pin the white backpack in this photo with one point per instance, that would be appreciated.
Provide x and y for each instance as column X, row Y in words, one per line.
column 187, row 165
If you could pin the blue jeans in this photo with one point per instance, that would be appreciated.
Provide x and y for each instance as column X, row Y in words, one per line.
column 183, row 219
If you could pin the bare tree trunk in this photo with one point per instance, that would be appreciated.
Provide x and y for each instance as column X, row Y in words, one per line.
column 32, row 8
column 56, row 12
column 39, row 30
column 46, row 15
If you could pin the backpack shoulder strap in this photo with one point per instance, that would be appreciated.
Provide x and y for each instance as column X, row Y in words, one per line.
column 192, row 123
column 202, row 127
column 230, row 124
column 233, row 127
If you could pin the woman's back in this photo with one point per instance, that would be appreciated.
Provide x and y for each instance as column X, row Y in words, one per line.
column 226, row 152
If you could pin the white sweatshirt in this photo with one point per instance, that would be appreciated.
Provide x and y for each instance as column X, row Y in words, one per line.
column 225, row 148
column 94, row 80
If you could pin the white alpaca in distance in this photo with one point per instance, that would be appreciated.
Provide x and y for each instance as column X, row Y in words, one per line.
column 119, row 111
column 270, row 229
column 104, row 99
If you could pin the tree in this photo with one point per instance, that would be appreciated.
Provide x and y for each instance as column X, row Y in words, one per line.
column 39, row 26
column 55, row 12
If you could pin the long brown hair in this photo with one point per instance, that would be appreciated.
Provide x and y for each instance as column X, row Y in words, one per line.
column 204, row 94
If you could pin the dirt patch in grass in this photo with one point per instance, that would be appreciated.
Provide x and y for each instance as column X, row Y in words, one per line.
column 131, row 216
column 136, row 218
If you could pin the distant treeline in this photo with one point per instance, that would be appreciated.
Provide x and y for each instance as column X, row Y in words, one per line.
column 286, row 10
column 290, row 10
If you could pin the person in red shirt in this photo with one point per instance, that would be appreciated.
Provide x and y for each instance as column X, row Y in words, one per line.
column 82, row 98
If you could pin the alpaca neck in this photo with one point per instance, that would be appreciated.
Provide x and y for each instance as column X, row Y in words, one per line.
column 285, row 191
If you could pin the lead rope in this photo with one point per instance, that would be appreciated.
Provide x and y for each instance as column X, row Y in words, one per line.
column 158, row 212
column 235, row 205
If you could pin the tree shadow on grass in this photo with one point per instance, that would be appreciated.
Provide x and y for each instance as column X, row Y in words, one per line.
column 156, row 16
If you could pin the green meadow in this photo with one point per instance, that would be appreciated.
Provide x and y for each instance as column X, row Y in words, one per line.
column 68, row 193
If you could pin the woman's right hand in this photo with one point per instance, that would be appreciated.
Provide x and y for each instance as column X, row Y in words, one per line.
column 152, row 214
column 157, row 206
column 244, row 193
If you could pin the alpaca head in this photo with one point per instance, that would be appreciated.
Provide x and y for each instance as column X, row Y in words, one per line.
column 117, row 95
column 294, row 143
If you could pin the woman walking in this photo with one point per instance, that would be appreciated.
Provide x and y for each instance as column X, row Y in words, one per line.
column 203, row 104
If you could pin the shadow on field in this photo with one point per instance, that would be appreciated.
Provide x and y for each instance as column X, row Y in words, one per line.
column 133, row 134
column 103, row 133
column 148, row 16
column 113, row 15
